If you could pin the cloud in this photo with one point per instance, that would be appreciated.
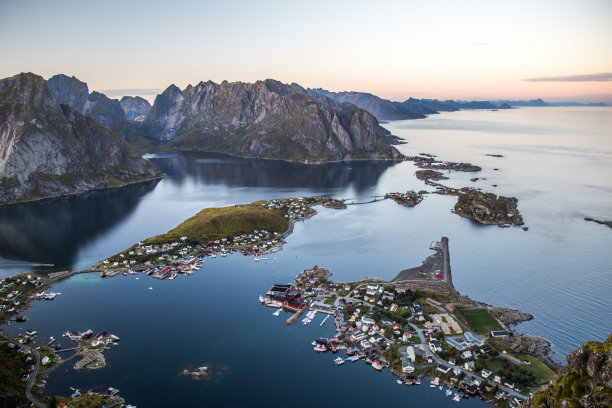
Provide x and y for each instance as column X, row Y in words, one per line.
column 601, row 77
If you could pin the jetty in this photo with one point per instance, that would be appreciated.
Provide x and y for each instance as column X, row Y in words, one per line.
column 294, row 317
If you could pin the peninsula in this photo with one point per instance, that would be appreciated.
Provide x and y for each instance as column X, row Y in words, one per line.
column 419, row 326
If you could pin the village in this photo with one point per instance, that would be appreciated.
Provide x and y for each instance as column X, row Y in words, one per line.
column 183, row 256
column 415, row 334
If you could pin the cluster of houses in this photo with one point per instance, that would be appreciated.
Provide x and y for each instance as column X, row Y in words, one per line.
column 286, row 297
column 12, row 287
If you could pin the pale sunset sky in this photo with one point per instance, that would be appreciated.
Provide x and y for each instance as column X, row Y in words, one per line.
column 556, row 50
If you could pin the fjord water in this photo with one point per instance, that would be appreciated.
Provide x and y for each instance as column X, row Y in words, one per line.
column 556, row 161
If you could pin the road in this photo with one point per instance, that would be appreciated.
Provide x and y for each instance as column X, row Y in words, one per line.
column 429, row 353
column 32, row 378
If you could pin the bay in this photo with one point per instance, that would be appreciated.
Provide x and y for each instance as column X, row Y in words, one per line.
column 556, row 161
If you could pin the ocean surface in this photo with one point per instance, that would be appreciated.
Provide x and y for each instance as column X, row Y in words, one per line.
column 556, row 161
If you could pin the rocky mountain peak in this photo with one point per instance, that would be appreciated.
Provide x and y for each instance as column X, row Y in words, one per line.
column 585, row 382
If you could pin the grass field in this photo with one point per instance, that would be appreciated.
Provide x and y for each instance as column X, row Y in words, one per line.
column 542, row 372
column 215, row 223
column 480, row 320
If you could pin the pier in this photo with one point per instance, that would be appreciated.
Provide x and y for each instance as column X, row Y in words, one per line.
column 292, row 319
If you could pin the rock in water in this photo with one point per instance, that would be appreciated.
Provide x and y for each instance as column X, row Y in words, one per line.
column 265, row 119
column 48, row 149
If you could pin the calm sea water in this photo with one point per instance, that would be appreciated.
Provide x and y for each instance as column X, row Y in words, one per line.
column 557, row 162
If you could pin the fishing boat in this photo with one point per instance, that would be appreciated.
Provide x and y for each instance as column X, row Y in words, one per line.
column 377, row 365
column 339, row 361
column 352, row 359
column 322, row 348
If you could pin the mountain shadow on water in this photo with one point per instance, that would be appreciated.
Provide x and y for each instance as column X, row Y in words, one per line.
column 51, row 231
column 216, row 168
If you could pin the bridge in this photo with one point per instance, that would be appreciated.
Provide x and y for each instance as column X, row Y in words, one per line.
column 371, row 199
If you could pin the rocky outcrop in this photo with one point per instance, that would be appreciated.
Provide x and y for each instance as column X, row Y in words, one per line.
column 585, row 382
column 488, row 208
column 48, row 149
column 74, row 93
column 135, row 107
column 266, row 119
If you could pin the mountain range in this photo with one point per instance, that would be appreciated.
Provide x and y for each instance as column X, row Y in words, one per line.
column 50, row 149
column 59, row 138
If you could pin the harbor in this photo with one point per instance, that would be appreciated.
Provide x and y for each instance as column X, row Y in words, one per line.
column 410, row 328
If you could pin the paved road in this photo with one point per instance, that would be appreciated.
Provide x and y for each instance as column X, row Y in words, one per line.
column 32, row 379
column 429, row 353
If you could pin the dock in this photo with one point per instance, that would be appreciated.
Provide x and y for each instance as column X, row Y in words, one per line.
column 292, row 319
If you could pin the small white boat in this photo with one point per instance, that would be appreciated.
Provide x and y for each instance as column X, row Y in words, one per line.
column 440, row 388
column 400, row 382
column 213, row 255
column 256, row 258
column 277, row 313
column 339, row 361
column 449, row 393
column 261, row 299
column 456, row 398
column 150, row 287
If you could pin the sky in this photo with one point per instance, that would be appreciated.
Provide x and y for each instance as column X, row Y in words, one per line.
column 556, row 50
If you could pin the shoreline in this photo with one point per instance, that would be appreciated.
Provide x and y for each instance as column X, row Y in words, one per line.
column 66, row 195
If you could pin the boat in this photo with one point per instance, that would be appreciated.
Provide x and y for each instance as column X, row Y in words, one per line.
column 256, row 258
column 377, row 365
column 456, row 398
column 449, row 393
column 150, row 287
column 277, row 313
column 112, row 391
column 400, row 382
column 51, row 341
column 213, row 255
column 21, row 319
column 262, row 299
column 339, row 361
column 322, row 348
column 352, row 359
column 440, row 388
column 76, row 392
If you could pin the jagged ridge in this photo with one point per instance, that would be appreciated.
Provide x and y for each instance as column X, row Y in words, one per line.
column 266, row 119
column 48, row 149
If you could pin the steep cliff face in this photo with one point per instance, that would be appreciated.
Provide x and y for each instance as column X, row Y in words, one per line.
column 265, row 119
column 74, row 93
column 48, row 149
column 135, row 107
column 585, row 382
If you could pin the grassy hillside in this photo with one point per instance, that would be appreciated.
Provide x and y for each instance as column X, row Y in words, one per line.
column 216, row 223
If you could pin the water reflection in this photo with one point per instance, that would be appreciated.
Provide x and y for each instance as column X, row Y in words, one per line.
column 213, row 168
column 52, row 231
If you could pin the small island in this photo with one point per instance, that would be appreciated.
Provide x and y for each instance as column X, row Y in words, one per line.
column 608, row 223
column 409, row 198
column 203, row 372
column 488, row 208
column 430, row 175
